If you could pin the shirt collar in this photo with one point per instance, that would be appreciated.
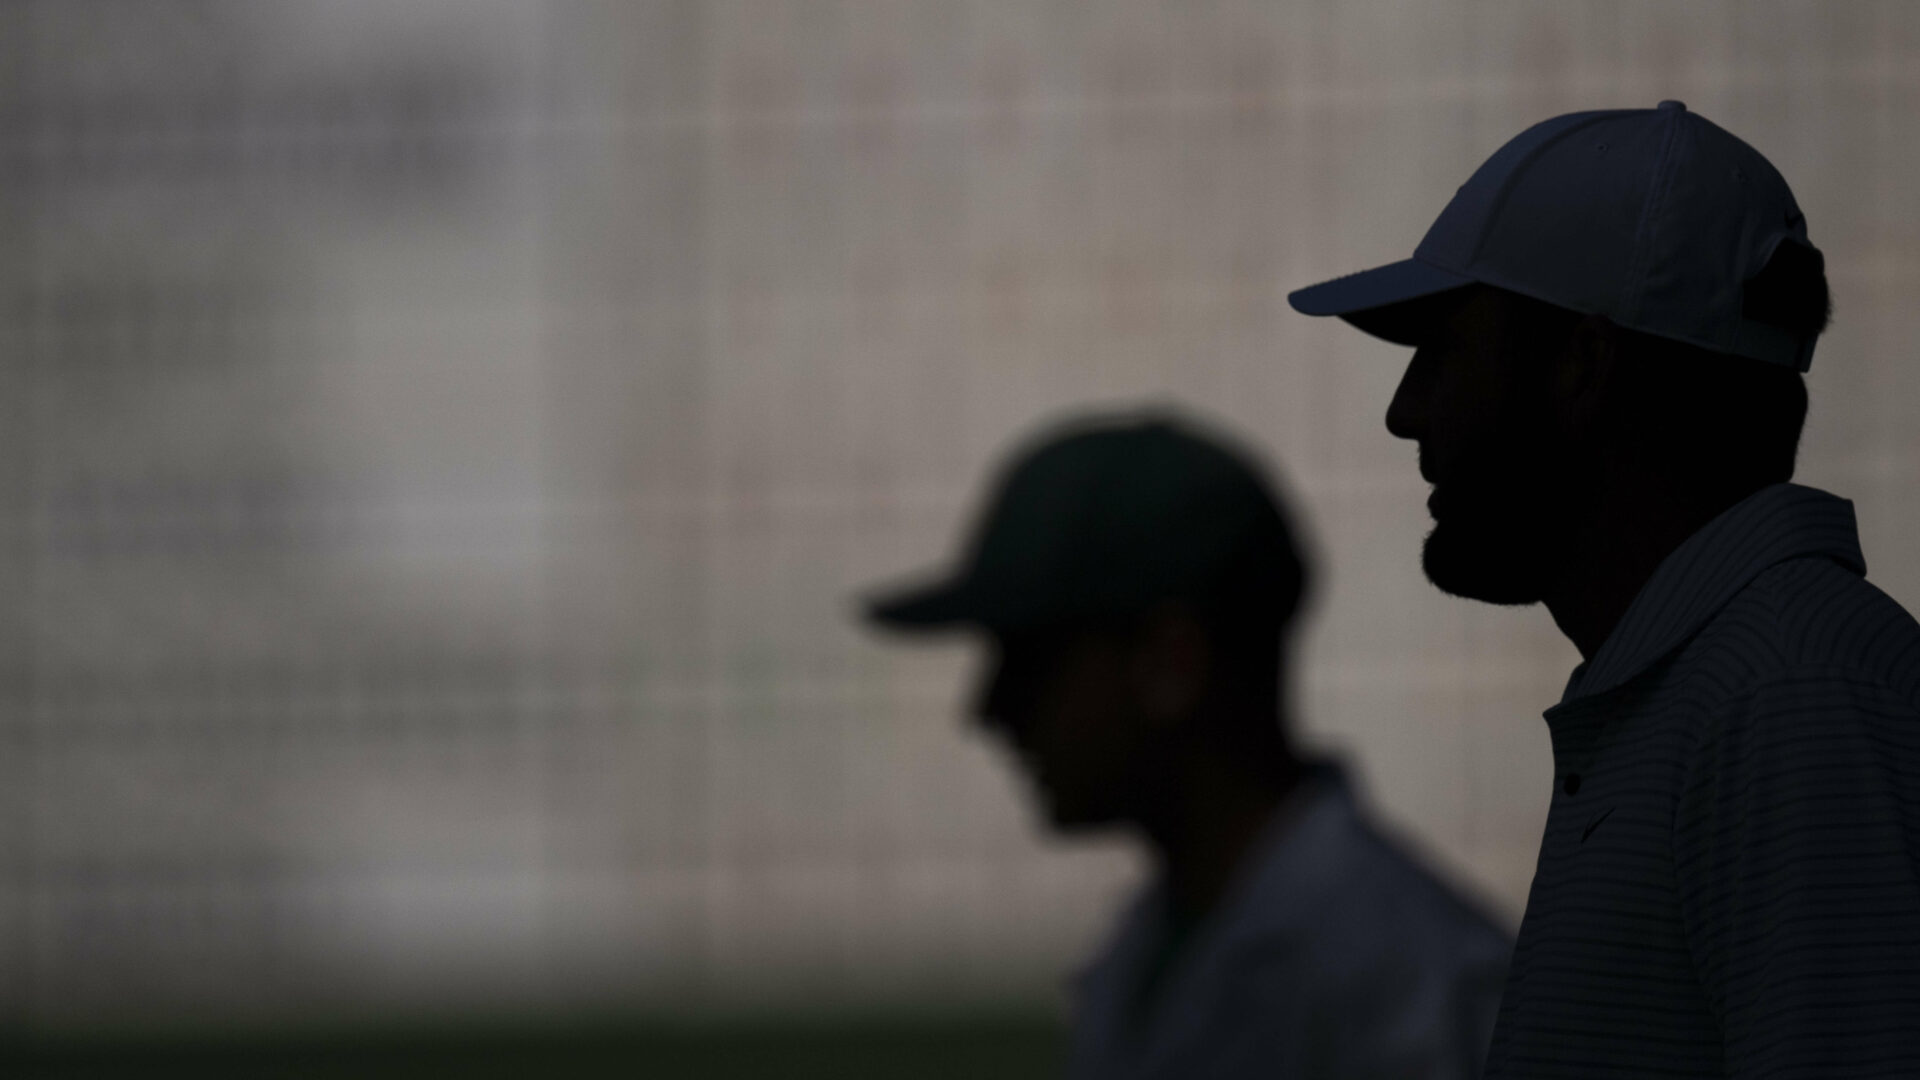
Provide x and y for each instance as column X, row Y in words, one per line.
column 1292, row 860
column 1291, row 876
column 1696, row 579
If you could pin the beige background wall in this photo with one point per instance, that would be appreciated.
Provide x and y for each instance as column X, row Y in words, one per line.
column 445, row 441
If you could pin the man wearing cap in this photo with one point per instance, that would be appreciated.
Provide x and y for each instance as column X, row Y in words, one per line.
column 1610, row 322
column 1138, row 582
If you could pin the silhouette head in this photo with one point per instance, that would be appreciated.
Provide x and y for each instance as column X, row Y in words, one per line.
column 1137, row 579
column 1619, row 300
column 1525, row 413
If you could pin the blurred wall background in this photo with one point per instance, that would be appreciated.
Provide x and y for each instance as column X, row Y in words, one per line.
column 443, row 443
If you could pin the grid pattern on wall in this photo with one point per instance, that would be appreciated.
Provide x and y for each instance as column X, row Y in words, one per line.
column 445, row 443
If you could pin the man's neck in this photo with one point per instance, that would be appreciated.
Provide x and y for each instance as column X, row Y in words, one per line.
column 1614, row 546
column 1203, row 838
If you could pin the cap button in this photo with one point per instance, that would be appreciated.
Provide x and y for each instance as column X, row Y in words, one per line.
column 1672, row 104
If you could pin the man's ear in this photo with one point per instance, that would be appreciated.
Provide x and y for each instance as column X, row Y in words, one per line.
column 1583, row 378
column 1172, row 663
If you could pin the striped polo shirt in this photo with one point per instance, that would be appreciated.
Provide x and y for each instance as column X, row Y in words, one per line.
column 1729, row 882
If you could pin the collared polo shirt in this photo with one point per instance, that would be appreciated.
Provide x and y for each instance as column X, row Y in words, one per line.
column 1334, row 955
column 1729, row 881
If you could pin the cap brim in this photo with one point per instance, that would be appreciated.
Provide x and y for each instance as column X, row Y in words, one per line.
column 926, row 607
column 1368, row 299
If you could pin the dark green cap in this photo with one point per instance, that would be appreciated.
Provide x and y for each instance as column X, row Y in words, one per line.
column 1104, row 517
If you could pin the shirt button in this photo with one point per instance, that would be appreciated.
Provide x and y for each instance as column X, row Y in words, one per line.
column 1572, row 784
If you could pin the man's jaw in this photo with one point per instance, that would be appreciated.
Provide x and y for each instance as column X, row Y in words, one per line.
column 1478, row 547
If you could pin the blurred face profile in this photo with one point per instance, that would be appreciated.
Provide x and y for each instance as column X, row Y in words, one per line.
column 1474, row 399
column 1062, row 701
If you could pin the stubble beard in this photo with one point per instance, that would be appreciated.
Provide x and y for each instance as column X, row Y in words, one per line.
column 1491, row 544
column 1457, row 566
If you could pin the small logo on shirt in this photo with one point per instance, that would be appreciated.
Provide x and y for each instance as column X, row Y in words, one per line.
column 1594, row 824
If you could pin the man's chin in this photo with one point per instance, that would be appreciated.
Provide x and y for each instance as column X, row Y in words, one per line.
column 1490, row 568
column 1080, row 826
column 1070, row 817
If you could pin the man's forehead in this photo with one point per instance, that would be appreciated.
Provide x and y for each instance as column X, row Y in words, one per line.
column 1043, row 640
column 1482, row 314
column 1053, row 638
column 1474, row 310
column 1416, row 322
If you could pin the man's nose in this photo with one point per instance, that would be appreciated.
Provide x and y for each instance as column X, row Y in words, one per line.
column 990, row 699
column 1407, row 412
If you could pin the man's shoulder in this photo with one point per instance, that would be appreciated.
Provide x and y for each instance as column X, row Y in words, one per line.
column 1391, row 962
column 1813, row 617
column 1378, row 903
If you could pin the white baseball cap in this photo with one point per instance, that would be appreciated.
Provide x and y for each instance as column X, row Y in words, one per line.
column 1656, row 218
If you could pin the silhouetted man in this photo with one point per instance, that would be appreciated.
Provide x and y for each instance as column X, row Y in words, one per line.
column 1138, row 582
column 1610, row 321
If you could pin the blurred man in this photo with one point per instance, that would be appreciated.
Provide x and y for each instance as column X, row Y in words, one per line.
column 1611, row 319
column 1138, row 582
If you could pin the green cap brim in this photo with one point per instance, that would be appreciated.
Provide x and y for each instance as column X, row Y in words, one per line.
column 927, row 607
